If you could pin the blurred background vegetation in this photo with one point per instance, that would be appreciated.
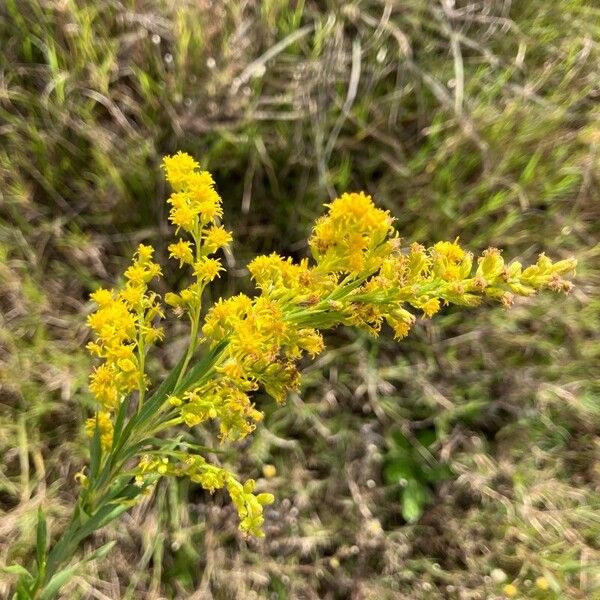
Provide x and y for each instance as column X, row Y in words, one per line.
column 458, row 462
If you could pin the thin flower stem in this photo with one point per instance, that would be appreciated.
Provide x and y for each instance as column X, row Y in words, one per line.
column 195, row 316
column 141, row 359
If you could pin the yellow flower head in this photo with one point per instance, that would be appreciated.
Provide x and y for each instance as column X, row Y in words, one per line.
column 450, row 261
column 204, row 199
column 142, row 269
column 451, row 250
column 311, row 341
column 112, row 322
column 431, row 307
column 350, row 236
column 144, row 253
column 206, row 269
column 210, row 208
column 103, row 385
column 194, row 202
column 183, row 217
column 189, row 295
column 491, row 265
column 400, row 324
column 267, row 269
column 542, row 583
column 198, row 181
column 182, row 251
column 216, row 237
column 105, row 427
column 178, row 199
column 133, row 294
column 178, row 169
column 102, row 297
column 269, row 471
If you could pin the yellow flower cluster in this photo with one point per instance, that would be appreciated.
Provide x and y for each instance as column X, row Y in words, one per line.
column 249, row 505
column 353, row 236
column 360, row 277
column 262, row 350
column 123, row 327
column 195, row 208
column 194, row 198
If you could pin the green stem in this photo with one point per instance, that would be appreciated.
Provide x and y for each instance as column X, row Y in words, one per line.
column 141, row 361
column 195, row 316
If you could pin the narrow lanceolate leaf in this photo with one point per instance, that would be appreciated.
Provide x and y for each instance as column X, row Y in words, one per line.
column 15, row 570
column 100, row 552
column 102, row 517
column 119, row 421
column 63, row 577
column 122, row 492
column 160, row 395
column 197, row 373
column 151, row 405
column 201, row 370
column 41, row 542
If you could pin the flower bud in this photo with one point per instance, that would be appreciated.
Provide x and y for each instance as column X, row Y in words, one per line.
column 264, row 499
column 491, row 264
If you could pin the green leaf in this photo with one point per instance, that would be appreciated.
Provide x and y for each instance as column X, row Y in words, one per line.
column 119, row 421
column 60, row 549
column 397, row 469
column 437, row 472
column 100, row 552
column 414, row 497
column 150, row 407
column 398, row 440
column 23, row 592
column 80, row 529
column 121, row 492
column 54, row 585
column 529, row 171
column 201, row 370
column 152, row 404
column 198, row 448
column 16, row 570
column 41, row 542
column 62, row 577
column 427, row 437
column 102, row 517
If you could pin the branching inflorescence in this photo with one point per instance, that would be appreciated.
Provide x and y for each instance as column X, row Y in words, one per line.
column 358, row 275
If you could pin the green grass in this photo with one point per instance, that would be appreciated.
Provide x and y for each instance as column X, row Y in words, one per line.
column 478, row 123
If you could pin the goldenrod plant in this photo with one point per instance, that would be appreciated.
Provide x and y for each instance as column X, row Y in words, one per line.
column 360, row 274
